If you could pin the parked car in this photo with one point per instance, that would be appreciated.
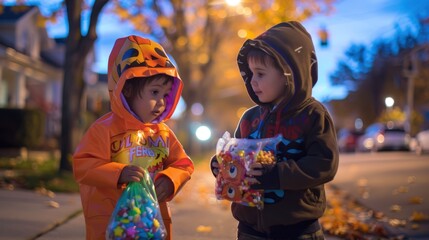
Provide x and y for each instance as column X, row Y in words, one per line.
column 379, row 137
column 422, row 139
column 347, row 140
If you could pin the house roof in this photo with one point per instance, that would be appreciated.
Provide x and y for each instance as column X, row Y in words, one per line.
column 9, row 14
column 53, row 57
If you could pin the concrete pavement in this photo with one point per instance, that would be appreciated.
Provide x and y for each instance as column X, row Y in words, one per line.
column 30, row 214
column 44, row 215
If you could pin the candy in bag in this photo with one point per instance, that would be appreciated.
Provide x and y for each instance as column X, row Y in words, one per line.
column 234, row 156
column 137, row 214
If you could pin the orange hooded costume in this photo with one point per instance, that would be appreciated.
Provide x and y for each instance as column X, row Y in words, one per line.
column 119, row 138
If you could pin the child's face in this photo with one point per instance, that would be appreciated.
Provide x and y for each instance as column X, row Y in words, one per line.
column 152, row 101
column 267, row 82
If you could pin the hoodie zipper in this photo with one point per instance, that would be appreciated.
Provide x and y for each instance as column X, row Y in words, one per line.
column 266, row 118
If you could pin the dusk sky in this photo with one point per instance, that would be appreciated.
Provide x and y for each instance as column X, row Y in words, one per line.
column 360, row 22
column 354, row 21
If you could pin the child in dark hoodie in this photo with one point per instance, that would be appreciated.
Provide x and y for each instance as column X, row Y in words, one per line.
column 279, row 69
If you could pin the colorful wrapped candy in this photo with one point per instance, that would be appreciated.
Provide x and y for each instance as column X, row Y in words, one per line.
column 234, row 156
column 137, row 214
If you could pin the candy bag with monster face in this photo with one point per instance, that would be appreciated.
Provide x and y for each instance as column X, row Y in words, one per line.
column 137, row 214
column 234, row 156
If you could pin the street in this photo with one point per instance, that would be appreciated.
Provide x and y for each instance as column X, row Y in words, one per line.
column 395, row 183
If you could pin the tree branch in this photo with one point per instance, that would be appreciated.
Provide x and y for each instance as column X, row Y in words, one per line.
column 95, row 13
column 74, row 19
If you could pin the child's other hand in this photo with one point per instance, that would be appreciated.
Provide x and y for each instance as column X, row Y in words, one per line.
column 263, row 176
column 256, row 170
column 164, row 188
column 131, row 173
column 214, row 166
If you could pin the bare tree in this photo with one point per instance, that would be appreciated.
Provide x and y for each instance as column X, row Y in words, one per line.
column 78, row 46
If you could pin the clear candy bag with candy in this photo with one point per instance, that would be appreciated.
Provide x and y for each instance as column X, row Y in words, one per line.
column 137, row 214
column 234, row 156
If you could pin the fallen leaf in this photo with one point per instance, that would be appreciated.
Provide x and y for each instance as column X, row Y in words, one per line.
column 411, row 179
column 202, row 228
column 363, row 182
column 403, row 189
column 418, row 217
column 415, row 226
column 365, row 195
column 397, row 222
column 379, row 215
column 395, row 208
column 416, row 200
column 45, row 192
column 53, row 204
column 379, row 230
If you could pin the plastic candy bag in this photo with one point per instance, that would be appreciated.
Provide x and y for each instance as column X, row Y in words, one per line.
column 234, row 156
column 137, row 214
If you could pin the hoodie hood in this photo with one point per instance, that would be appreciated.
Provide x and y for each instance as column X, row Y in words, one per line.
column 289, row 43
column 134, row 56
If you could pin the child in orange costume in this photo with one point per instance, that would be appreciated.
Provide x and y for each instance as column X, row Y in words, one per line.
column 144, row 88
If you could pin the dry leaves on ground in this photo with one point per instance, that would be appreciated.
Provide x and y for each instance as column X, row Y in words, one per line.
column 347, row 219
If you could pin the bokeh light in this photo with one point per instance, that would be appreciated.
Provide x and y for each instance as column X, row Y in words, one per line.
column 203, row 133
column 197, row 109
column 232, row 3
column 389, row 102
column 242, row 33
column 180, row 108
column 358, row 124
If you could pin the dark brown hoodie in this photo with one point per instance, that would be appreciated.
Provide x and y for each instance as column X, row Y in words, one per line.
column 308, row 155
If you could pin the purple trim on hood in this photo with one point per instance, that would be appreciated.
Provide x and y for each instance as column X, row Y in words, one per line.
column 169, row 102
column 126, row 106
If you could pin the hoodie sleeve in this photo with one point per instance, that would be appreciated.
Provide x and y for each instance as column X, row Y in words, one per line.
column 178, row 167
column 92, row 163
column 319, row 166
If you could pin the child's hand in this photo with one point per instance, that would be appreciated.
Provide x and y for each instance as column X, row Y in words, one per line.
column 164, row 188
column 214, row 166
column 263, row 176
column 256, row 170
column 131, row 173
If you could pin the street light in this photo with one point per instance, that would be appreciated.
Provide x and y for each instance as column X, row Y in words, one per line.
column 411, row 69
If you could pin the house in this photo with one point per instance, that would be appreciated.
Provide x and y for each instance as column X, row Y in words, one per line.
column 31, row 63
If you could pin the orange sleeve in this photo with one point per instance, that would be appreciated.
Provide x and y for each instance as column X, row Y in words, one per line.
column 178, row 167
column 92, row 163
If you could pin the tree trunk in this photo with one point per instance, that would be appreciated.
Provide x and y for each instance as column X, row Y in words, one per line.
column 72, row 94
column 77, row 48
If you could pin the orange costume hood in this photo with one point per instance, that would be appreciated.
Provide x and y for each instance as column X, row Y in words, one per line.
column 135, row 56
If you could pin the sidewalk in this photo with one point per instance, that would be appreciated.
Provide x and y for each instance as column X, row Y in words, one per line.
column 27, row 214
column 197, row 215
